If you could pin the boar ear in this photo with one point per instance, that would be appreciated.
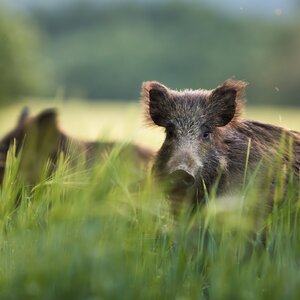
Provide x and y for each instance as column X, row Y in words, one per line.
column 46, row 121
column 43, row 126
column 154, row 97
column 42, row 132
column 42, row 137
column 47, row 116
column 225, row 103
column 24, row 116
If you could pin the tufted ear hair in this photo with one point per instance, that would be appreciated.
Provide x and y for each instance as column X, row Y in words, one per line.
column 155, row 97
column 225, row 103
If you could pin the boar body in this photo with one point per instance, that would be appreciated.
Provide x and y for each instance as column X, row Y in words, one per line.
column 42, row 141
column 207, row 142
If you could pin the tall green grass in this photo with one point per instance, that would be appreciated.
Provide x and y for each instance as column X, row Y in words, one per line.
column 107, row 233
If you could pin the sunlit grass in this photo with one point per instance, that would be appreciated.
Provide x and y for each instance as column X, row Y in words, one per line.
column 105, row 234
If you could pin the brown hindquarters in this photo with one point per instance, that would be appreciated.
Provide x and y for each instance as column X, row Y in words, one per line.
column 41, row 140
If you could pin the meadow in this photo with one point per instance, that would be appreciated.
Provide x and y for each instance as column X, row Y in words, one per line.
column 124, row 121
column 106, row 234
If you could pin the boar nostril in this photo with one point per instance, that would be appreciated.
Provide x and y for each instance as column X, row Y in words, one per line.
column 181, row 178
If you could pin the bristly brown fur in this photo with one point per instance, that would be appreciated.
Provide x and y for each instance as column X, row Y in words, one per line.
column 237, row 86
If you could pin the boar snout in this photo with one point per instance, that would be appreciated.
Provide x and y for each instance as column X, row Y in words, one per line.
column 181, row 179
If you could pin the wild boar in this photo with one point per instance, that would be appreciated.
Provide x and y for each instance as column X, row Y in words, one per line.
column 41, row 140
column 208, row 143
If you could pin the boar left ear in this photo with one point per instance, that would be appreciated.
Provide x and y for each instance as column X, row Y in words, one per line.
column 24, row 116
column 155, row 97
column 225, row 103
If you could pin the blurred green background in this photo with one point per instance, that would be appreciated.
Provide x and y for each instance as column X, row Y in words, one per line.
column 105, row 49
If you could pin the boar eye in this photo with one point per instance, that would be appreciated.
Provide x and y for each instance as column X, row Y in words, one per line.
column 206, row 135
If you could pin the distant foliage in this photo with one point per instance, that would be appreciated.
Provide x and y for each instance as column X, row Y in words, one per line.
column 19, row 60
column 107, row 51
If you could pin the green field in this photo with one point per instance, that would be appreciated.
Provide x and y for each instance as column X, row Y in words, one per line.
column 106, row 234
column 124, row 122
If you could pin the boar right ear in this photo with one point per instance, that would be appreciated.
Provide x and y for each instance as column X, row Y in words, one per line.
column 47, row 115
column 42, row 133
column 225, row 103
column 47, row 120
column 154, row 97
column 44, row 125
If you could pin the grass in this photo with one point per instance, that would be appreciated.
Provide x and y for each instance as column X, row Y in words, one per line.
column 105, row 234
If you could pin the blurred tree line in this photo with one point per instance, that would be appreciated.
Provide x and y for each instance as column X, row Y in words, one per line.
column 107, row 51
column 20, row 58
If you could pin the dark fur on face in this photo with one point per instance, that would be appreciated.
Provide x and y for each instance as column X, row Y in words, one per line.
column 207, row 140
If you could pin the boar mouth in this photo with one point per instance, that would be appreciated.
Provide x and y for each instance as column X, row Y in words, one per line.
column 182, row 194
column 191, row 198
column 180, row 187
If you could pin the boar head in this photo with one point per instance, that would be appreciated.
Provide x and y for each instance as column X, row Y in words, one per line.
column 193, row 155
